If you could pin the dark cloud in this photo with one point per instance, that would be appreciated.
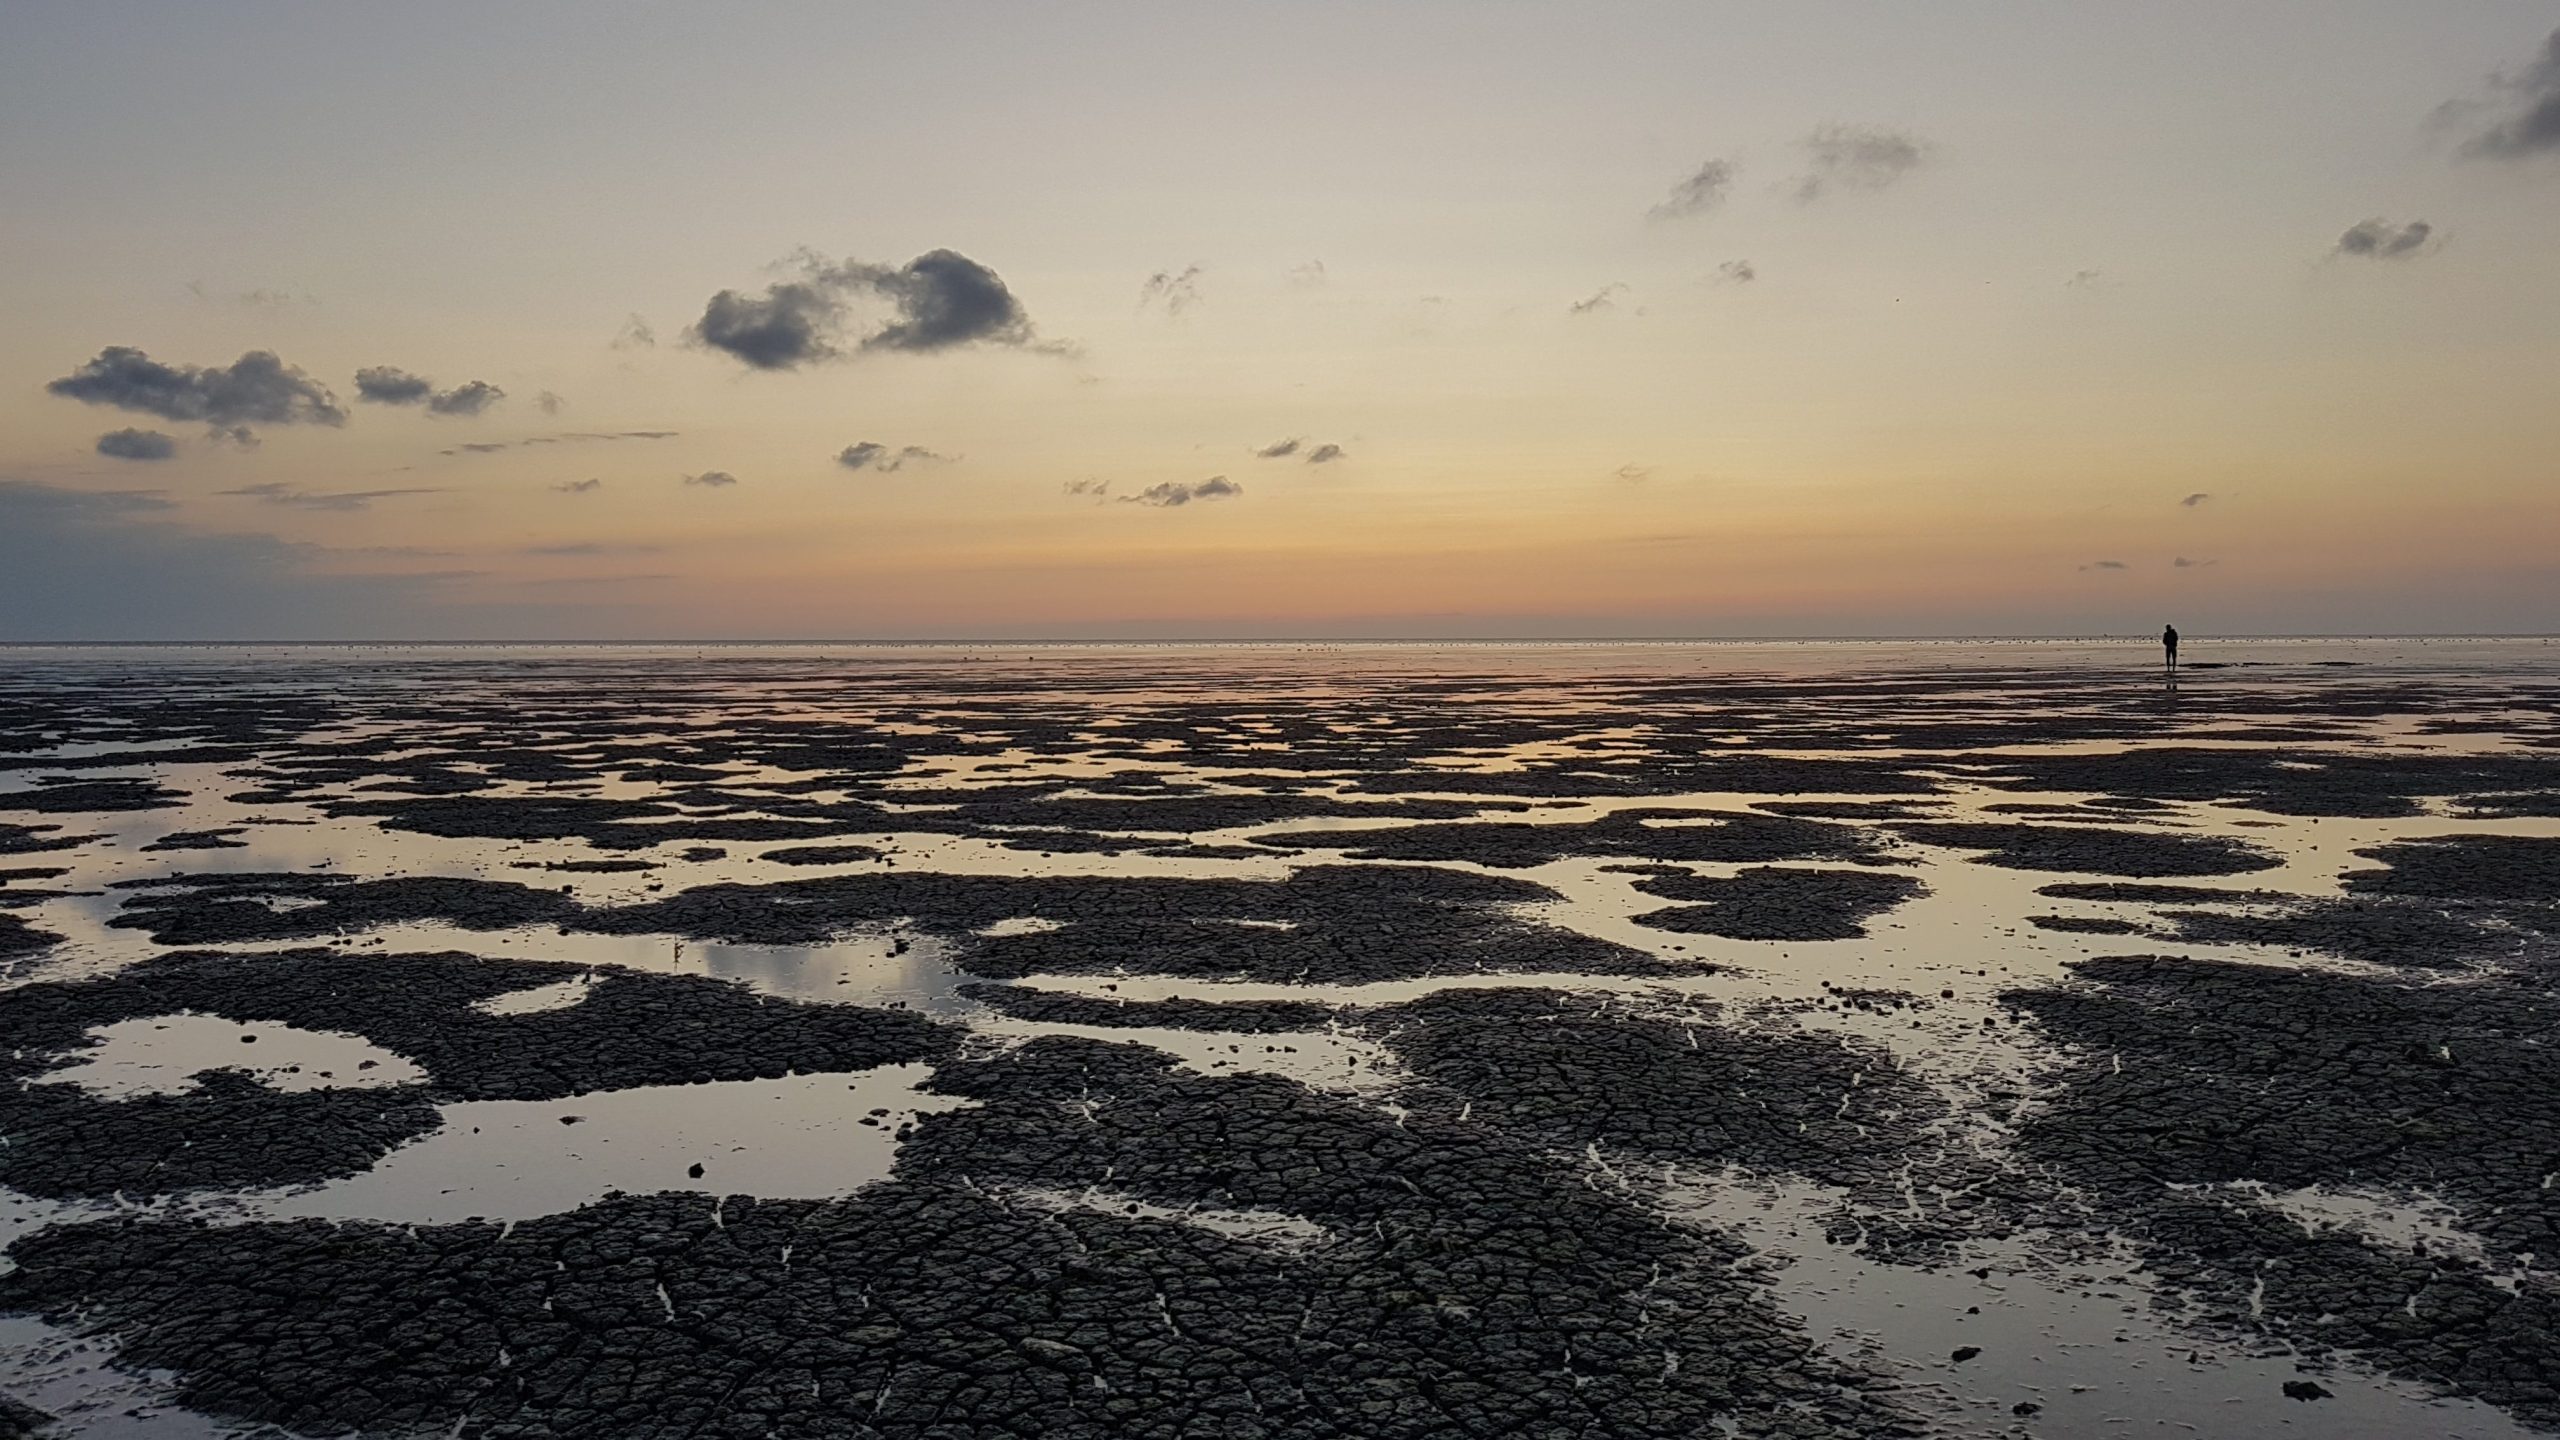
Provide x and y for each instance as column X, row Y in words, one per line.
column 1171, row 492
column 2379, row 239
column 1325, row 454
column 2196, row 499
column 1604, row 298
column 2106, row 565
column 1857, row 157
column 941, row 300
column 2531, row 101
column 1176, row 292
column 274, row 494
column 137, row 445
column 108, row 565
column 1701, row 192
column 635, row 334
column 256, row 389
column 391, row 385
column 712, row 479
column 469, row 398
column 579, row 487
column 872, row 455
column 550, row 403
column 1737, row 272
column 1280, row 449
column 572, row 437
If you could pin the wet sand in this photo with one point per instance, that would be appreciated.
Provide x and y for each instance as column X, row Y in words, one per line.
column 1282, row 1041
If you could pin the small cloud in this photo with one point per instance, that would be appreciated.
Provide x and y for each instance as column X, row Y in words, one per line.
column 391, row 385
column 1857, row 157
column 1175, row 292
column 469, row 398
column 320, row 499
column 258, row 299
column 1171, row 493
column 137, row 445
column 635, row 334
column 872, row 455
column 2183, row 563
column 1309, row 275
column 550, row 403
column 256, row 389
column 2379, row 239
column 572, row 437
column 1633, row 473
column 2530, row 99
column 2196, row 499
column 2082, row 280
column 712, row 479
column 1604, row 298
column 1702, row 191
column 1326, row 454
column 589, row 547
column 1737, row 272
column 1098, row 489
column 2106, row 565
column 238, row 436
column 587, row 486
column 1279, row 449
column 942, row 300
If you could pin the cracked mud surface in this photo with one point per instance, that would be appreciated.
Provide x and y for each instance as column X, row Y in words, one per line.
column 1640, row 1041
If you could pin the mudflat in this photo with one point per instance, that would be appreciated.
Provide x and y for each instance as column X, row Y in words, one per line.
column 1281, row 1041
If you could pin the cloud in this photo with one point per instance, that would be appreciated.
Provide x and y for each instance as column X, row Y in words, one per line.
column 872, row 455
column 572, row 437
column 469, row 398
column 258, row 299
column 1176, row 292
column 274, row 494
column 2196, row 499
column 1279, row 449
column 2183, row 563
column 256, row 389
column 550, row 403
column 109, row 565
column 1308, row 275
column 635, row 334
column 2106, row 565
column 1098, row 489
column 1170, row 493
column 238, row 435
column 1604, row 298
column 2531, row 124
column 136, row 445
column 712, row 479
column 2082, row 280
column 590, row 547
column 579, row 487
column 1857, row 157
column 391, row 385
column 1701, row 192
column 2379, row 239
column 1632, row 472
column 941, row 300
column 1737, row 272
column 1326, row 454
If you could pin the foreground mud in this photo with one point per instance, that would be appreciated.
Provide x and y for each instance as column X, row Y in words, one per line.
column 1273, row 1044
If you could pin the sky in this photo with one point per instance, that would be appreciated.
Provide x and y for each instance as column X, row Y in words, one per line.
column 1435, row 318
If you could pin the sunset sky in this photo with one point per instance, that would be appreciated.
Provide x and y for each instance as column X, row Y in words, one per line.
column 1431, row 318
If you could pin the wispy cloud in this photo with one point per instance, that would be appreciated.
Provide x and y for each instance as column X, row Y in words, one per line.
column 1604, row 298
column 1857, row 157
column 273, row 494
column 1737, row 272
column 1633, row 473
column 1176, row 291
column 1703, row 190
column 872, row 455
column 2529, row 104
column 2106, row 565
column 2183, row 563
column 712, row 479
column 587, row 486
column 1098, row 489
column 573, row 437
column 635, row 334
column 1326, row 454
column 550, row 402
column 590, row 547
column 2196, row 499
column 1279, row 449
column 1308, row 275
column 1171, row 493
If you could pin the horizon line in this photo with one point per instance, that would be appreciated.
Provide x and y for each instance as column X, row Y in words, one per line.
column 1381, row 640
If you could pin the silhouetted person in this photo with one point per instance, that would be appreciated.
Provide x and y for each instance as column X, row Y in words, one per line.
column 2169, row 642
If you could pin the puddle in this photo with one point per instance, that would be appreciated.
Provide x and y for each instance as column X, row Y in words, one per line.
column 168, row 1055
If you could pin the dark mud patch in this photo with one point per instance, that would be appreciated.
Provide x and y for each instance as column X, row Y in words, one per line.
column 2377, row 931
column 1457, row 1285
column 1248, row 1017
column 76, row 797
column 2523, row 871
column 1769, row 902
column 247, row 908
column 1570, row 1071
column 2084, row 925
column 2279, row 782
column 2203, row 1073
column 38, row 839
column 628, row 1030
column 2073, row 850
column 218, row 839
column 2120, row 892
column 822, row 855
column 19, row 939
column 1675, row 835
